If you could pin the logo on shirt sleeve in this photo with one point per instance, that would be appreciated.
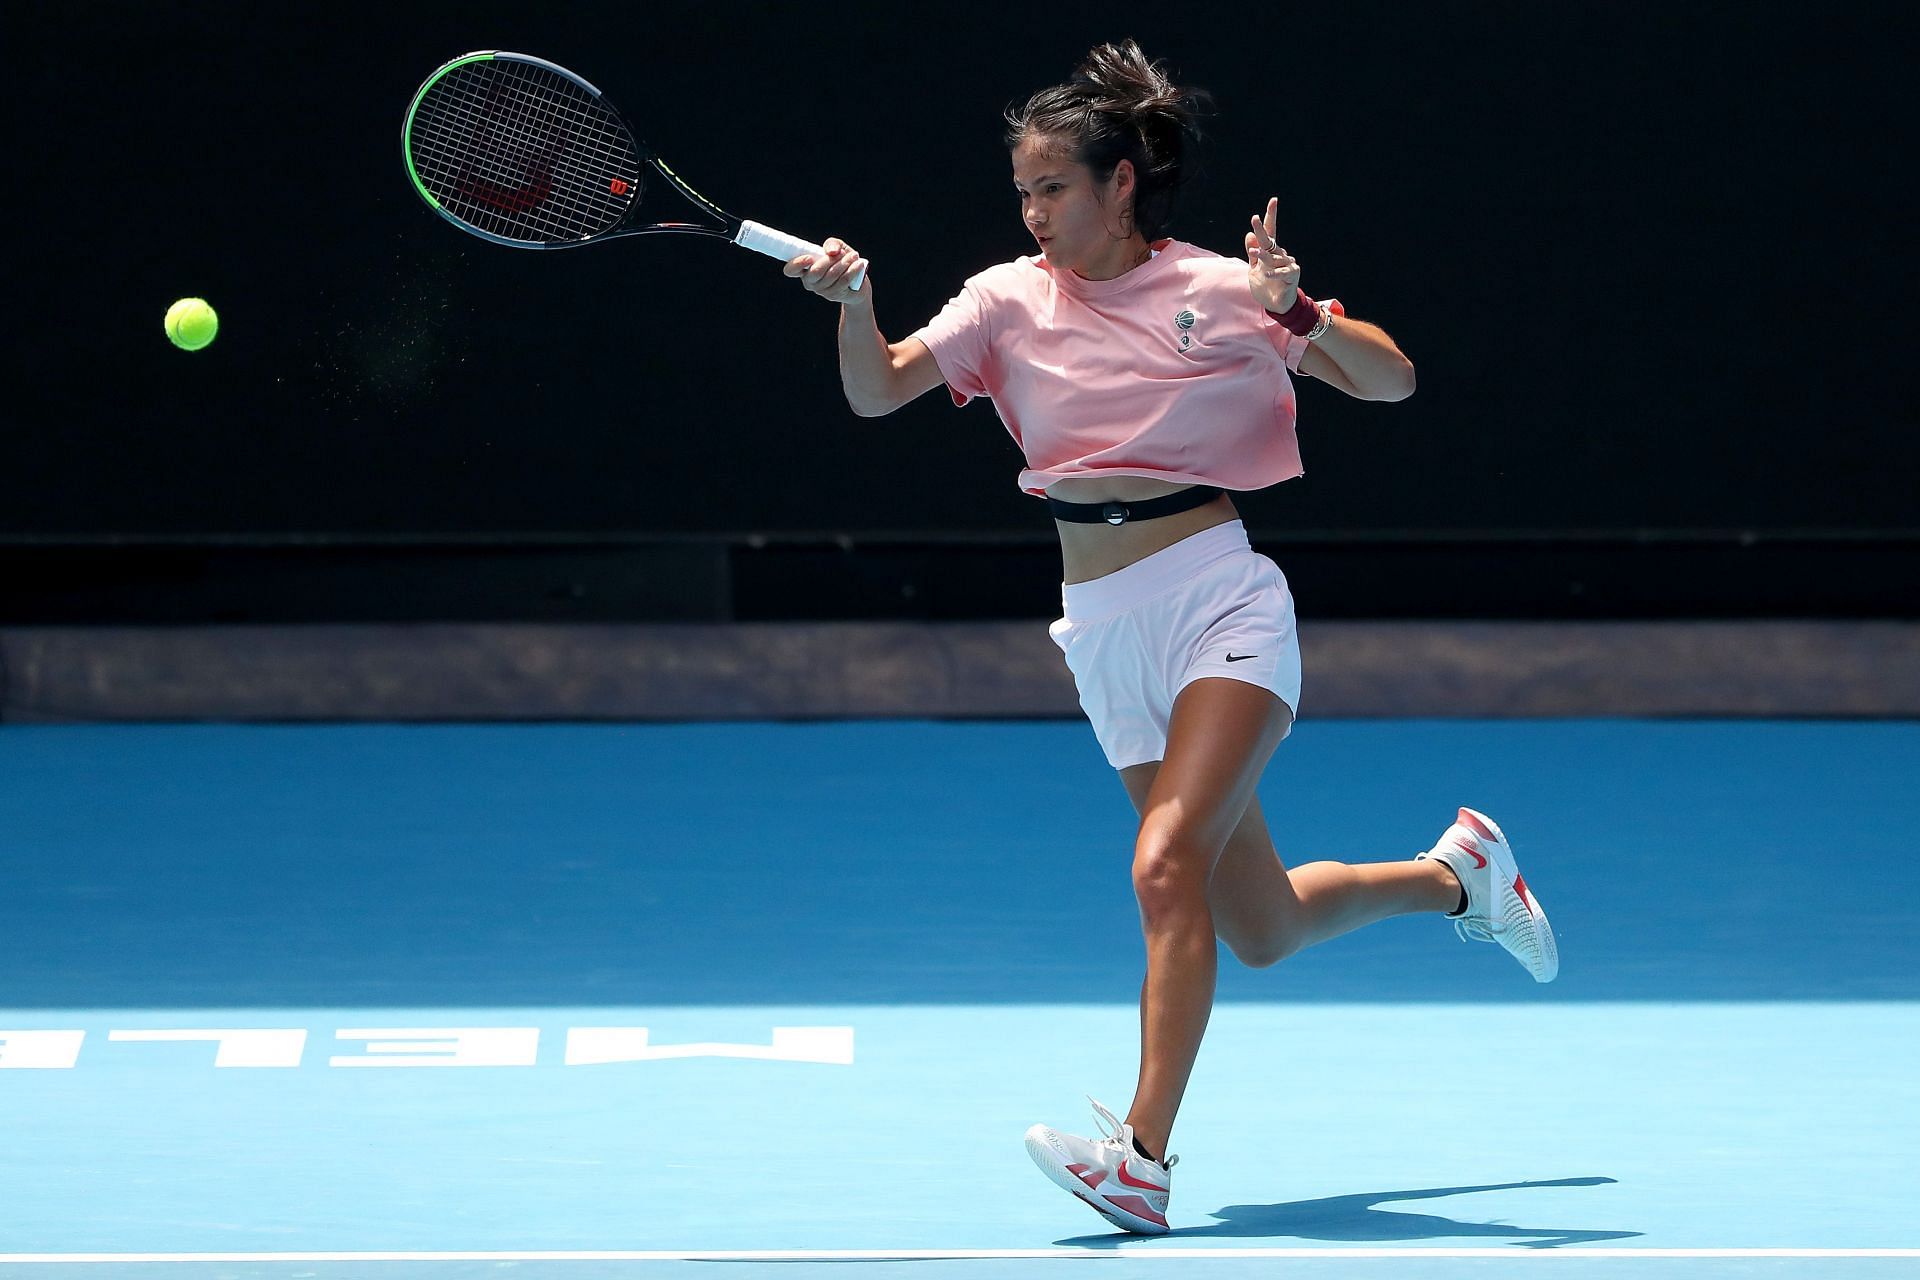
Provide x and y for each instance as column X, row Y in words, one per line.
column 1184, row 322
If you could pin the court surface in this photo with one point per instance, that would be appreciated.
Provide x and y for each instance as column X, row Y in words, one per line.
column 605, row 1001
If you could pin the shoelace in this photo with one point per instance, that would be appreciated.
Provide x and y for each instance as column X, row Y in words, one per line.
column 1109, row 1124
column 1111, row 1131
column 1473, row 930
column 1516, row 922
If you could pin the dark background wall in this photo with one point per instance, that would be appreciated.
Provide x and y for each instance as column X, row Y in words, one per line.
column 1649, row 259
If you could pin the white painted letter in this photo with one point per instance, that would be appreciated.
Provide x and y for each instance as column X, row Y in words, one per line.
column 40, row 1048
column 587, row 1046
column 442, row 1047
column 241, row 1047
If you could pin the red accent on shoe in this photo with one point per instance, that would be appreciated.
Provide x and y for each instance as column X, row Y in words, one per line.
column 1138, row 1208
column 1087, row 1174
column 1520, row 887
column 1479, row 859
column 1132, row 1181
column 1473, row 824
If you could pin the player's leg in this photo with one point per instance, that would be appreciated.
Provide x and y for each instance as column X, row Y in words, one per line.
column 1219, row 738
column 1265, row 912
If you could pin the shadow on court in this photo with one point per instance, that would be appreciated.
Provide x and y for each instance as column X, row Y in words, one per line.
column 1354, row 1218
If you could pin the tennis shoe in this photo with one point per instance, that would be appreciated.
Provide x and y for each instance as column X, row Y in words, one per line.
column 1123, row 1186
column 1500, row 908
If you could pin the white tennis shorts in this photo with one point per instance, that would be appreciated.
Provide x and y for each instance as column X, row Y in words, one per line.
column 1209, row 605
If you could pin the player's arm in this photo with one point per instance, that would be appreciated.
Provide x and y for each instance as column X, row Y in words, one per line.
column 878, row 376
column 1357, row 357
column 1361, row 360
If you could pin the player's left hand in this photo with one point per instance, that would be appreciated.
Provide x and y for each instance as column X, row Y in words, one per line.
column 1272, row 273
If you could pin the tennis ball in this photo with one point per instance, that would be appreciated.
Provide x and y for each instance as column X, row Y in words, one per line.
column 191, row 323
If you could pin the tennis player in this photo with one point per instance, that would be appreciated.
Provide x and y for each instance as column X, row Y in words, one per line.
column 1144, row 378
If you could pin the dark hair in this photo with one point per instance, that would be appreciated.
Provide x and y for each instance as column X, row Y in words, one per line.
column 1119, row 106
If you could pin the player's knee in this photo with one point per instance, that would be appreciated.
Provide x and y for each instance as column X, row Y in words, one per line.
column 1263, row 950
column 1169, row 878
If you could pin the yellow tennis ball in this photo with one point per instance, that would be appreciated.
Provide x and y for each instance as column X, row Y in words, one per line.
column 191, row 323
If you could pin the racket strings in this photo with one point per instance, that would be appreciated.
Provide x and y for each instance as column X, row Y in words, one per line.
column 524, row 154
column 567, row 147
column 549, row 147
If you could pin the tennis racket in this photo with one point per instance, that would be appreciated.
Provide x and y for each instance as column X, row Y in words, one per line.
column 518, row 151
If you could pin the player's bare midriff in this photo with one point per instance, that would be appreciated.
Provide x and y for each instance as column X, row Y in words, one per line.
column 1089, row 551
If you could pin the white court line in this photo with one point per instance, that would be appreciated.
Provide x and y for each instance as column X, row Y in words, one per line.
column 937, row 1255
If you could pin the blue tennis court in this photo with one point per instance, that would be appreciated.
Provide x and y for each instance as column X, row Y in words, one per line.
column 621, row 1000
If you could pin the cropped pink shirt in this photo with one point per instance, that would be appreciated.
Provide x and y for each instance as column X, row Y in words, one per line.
column 1171, row 371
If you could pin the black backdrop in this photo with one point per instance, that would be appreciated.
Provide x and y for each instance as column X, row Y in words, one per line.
column 1648, row 259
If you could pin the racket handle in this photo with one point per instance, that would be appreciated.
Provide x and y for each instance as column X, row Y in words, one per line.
column 761, row 238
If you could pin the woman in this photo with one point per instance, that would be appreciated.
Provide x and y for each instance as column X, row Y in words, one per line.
column 1142, row 377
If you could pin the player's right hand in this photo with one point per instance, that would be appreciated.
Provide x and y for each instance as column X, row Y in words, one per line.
column 827, row 274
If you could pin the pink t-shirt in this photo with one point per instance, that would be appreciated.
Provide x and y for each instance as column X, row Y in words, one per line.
column 1171, row 370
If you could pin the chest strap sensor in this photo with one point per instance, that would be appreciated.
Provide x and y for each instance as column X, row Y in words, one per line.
column 1123, row 512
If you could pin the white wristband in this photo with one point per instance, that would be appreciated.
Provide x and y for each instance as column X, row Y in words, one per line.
column 1323, row 324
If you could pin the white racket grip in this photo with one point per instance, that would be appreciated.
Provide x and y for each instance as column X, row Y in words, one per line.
column 761, row 238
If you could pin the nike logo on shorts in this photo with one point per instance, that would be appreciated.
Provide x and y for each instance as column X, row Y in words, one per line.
column 1241, row 657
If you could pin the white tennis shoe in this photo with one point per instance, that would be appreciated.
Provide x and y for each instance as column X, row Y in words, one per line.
column 1500, row 908
column 1123, row 1186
